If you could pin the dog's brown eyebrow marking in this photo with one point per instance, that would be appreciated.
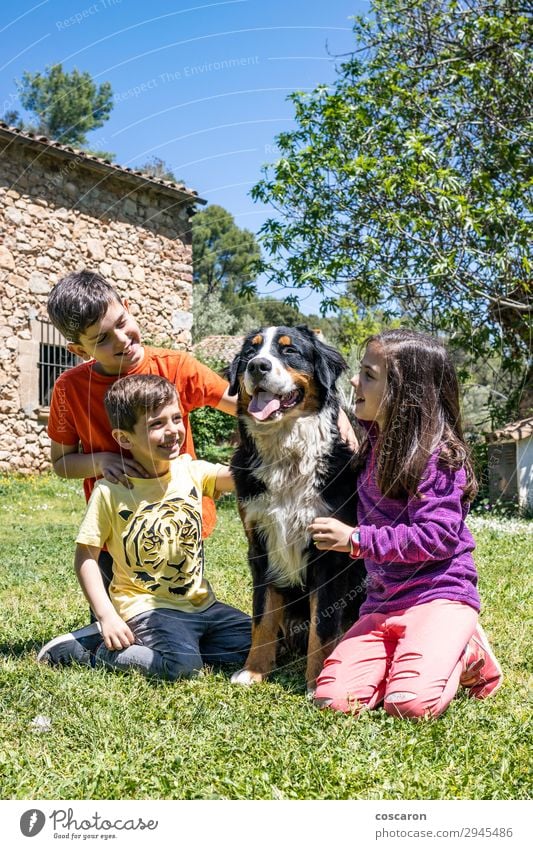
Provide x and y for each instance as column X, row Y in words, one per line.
column 257, row 340
column 285, row 340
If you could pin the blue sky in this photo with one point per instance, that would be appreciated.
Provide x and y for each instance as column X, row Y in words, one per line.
column 203, row 85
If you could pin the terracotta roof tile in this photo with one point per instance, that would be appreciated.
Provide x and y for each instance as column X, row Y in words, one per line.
column 513, row 431
column 223, row 348
column 13, row 134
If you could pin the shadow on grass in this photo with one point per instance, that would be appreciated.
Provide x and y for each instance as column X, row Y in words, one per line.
column 289, row 673
column 26, row 647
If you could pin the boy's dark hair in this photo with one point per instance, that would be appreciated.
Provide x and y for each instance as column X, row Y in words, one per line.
column 422, row 413
column 79, row 300
column 131, row 397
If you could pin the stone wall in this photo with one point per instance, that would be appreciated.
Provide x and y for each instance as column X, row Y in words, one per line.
column 59, row 216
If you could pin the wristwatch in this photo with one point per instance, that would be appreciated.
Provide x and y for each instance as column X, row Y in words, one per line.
column 355, row 543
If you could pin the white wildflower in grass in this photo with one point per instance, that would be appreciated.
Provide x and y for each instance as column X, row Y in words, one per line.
column 501, row 524
column 41, row 723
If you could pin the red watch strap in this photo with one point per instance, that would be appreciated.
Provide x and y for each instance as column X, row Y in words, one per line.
column 355, row 543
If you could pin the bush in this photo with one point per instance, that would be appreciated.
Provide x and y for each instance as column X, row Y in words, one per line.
column 214, row 434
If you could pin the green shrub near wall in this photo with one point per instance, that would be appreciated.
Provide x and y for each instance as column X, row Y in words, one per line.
column 214, row 432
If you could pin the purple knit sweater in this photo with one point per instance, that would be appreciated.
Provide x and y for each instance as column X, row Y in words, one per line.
column 416, row 549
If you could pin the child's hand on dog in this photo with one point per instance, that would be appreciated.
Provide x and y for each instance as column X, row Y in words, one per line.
column 329, row 533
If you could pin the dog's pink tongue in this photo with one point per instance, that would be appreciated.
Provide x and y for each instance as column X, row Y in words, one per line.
column 262, row 405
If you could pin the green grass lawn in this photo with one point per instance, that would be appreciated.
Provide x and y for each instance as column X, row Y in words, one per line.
column 123, row 737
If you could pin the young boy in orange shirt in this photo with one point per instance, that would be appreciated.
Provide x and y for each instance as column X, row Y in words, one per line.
column 101, row 330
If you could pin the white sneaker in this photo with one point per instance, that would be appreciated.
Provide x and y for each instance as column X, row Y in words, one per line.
column 77, row 646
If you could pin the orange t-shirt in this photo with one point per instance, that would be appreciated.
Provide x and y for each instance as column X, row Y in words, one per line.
column 78, row 416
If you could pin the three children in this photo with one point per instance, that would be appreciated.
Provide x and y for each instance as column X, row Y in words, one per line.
column 408, row 648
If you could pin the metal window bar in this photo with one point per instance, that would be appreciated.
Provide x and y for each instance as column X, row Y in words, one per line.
column 54, row 358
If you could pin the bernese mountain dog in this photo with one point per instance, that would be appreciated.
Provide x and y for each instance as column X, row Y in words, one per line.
column 290, row 467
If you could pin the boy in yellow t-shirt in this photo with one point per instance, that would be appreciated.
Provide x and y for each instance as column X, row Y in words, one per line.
column 161, row 616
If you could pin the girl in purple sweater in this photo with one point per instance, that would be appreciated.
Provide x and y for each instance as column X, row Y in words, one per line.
column 407, row 649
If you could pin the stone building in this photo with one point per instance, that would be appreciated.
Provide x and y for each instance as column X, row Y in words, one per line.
column 62, row 210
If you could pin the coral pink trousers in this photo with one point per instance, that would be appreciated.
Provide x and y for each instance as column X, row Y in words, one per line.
column 410, row 660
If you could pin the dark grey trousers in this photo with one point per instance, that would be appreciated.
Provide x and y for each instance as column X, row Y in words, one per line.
column 172, row 644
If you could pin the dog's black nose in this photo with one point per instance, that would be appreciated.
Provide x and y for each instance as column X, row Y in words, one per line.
column 259, row 366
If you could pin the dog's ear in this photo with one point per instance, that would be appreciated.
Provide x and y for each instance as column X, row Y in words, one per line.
column 329, row 363
column 233, row 373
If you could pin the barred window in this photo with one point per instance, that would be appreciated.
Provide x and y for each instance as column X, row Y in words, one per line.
column 54, row 358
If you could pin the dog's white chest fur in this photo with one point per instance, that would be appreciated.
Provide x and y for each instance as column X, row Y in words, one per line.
column 293, row 459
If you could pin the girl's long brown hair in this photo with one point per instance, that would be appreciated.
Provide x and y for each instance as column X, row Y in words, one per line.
column 422, row 414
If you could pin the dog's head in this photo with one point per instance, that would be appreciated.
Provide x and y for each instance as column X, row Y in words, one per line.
column 284, row 372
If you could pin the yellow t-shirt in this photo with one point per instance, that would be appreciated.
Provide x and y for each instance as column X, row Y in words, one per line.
column 154, row 535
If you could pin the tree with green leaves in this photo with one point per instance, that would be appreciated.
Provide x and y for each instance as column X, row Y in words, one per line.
column 267, row 312
column 224, row 255
column 224, row 258
column 157, row 167
column 407, row 184
column 66, row 105
column 211, row 317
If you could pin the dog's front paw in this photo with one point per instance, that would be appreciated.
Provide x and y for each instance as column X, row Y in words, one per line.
column 310, row 692
column 246, row 677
